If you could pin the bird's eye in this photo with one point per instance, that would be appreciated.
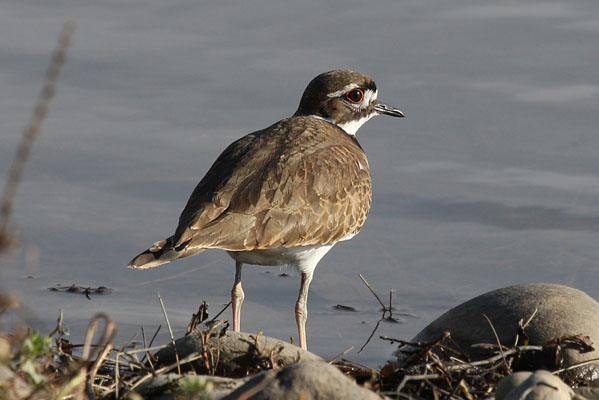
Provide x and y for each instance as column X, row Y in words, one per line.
column 355, row 95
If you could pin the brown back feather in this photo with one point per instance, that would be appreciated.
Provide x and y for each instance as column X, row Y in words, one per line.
column 298, row 182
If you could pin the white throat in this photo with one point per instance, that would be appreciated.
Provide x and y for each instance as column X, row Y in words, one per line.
column 350, row 127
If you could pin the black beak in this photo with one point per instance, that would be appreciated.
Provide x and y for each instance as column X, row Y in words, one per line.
column 385, row 109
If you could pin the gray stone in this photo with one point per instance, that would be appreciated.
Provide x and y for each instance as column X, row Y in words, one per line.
column 236, row 352
column 306, row 381
column 510, row 382
column 561, row 310
column 540, row 385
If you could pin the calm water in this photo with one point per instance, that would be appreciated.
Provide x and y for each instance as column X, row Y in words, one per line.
column 491, row 180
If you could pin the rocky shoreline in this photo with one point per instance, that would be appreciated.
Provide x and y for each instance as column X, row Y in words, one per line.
column 541, row 328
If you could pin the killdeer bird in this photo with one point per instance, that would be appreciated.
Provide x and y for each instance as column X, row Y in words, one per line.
column 287, row 193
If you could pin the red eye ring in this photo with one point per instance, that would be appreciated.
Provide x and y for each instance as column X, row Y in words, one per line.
column 355, row 96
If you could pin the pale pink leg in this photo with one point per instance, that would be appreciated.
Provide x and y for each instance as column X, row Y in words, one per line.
column 237, row 297
column 301, row 309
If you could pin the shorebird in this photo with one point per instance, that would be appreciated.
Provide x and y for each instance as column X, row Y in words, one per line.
column 284, row 195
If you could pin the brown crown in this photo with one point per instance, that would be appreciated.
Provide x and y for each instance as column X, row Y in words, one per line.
column 315, row 100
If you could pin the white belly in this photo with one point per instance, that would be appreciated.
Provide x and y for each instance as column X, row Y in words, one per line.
column 304, row 258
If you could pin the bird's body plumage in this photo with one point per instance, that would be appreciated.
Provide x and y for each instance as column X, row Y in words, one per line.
column 285, row 186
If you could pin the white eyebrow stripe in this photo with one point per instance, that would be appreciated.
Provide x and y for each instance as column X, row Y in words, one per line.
column 369, row 96
column 345, row 89
column 374, row 94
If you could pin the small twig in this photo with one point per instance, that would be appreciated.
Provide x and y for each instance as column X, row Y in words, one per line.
column 219, row 323
column 109, row 333
column 58, row 329
column 371, row 335
column 391, row 303
column 522, row 326
column 94, row 369
column 341, row 355
column 116, row 376
column 190, row 358
column 393, row 340
column 122, row 349
column 366, row 367
column 373, row 292
column 155, row 334
column 577, row 365
column 168, row 324
column 101, row 357
column 134, row 351
column 146, row 354
column 143, row 336
column 534, row 313
column 220, row 312
column 141, row 380
column 256, row 345
column 416, row 378
column 272, row 357
column 206, row 352
column 456, row 387
column 385, row 310
column 496, row 358
column 507, row 367
column 198, row 317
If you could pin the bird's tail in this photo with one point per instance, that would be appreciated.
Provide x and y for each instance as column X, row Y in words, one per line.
column 160, row 253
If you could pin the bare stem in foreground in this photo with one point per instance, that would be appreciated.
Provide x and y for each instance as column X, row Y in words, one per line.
column 30, row 134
